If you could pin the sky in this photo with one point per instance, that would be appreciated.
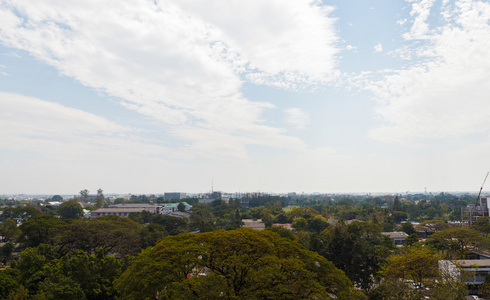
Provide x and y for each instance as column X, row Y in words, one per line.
column 340, row 96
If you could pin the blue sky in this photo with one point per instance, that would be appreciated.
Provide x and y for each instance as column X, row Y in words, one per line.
column 259, row 95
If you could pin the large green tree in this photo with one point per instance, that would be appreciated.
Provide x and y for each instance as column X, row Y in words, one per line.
column 357, row 249
column 72, row 276
column 113, row 234
column 20, row 214
column 173, row 225
column 39, row 230
column 455, row 241
column 8, row 230
column 70, row 209
column 238, row 264
column 482, row 225
column 415, row 274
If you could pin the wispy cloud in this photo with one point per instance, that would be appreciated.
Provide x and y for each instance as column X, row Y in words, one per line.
column 297, row 117
column 182, row 62
column 446, row 92
column 420, row 13
column 378, row 48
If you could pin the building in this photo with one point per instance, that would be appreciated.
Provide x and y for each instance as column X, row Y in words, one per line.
column 95, row 197
column 398, row 238
column 257, row 225
column 208, row 198
column 113, row 211
column 169, row 208
column 472, row 212
column 123, row 210
column 151, row 208
column 174, row 196
column 472, row 271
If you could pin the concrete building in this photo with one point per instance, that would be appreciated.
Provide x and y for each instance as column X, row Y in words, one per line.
column 169, row 208
column 121, row 212
column 257, row 225
column 151, row 208
column 398, row 238
column 93, row 197
column 472, row 271
column 472, row 212
column 174, row 196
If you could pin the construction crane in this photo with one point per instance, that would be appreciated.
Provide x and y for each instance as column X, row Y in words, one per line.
column 473, row 210
column 481, row 188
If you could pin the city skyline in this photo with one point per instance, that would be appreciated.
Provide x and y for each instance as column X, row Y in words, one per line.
column 264, row 95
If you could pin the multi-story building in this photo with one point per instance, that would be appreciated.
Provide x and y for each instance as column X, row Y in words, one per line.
column 174, row 196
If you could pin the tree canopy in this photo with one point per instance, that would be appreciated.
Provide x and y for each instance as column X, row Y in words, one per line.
column 70, row 209
column 243, row 263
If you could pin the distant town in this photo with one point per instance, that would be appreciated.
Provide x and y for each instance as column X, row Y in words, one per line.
column 368, row 246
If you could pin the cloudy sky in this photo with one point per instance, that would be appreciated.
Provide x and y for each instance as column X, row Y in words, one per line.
column 140, row 96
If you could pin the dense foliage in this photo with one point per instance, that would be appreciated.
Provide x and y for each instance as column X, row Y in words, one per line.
column 314, row 247
column 242, row 264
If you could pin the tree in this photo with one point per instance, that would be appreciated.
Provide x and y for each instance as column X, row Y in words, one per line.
column 396, row 204
column 455, row 241
column 303, row 212
column 267, row 217
column 151, row 234
column 113, row 234
column 414, row 274
column 482, row 225
column 356, row 249
column 173, row 225
column 119, row 201
column 6, row 251
column 40, row 229
column 431, row 226
column 239, row 264
column 283, row 232
column 399, row 216
column 8, row 230
column 143, row 217
column 417, row 264
column 411, row 240
column 84, row 194
column 181, row 207
column 57, row 198
column 70, row 209
column 100, row 202
column 8, row 282
column 30, row 265
column 299, row 224
column 202, row 219
column 20, row 214
column 235, row 221
column 317, row 224
column 408, row 228
column 82, row 276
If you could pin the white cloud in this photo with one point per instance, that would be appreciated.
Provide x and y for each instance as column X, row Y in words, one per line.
column 378, row 48
column 401, row 22
column 350, row 47
column 277, row 37
column 60, row 133
column 421, row 11
column 181, row 62
column 446, row 94
column 296, row 117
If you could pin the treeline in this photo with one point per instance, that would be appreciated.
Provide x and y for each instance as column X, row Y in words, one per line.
column 335, row 249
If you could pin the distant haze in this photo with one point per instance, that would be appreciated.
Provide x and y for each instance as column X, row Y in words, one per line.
column 261, row 95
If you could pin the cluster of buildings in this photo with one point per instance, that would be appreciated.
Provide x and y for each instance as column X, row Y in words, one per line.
column 473, row 271
column 472, row 212
column 124, row 210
